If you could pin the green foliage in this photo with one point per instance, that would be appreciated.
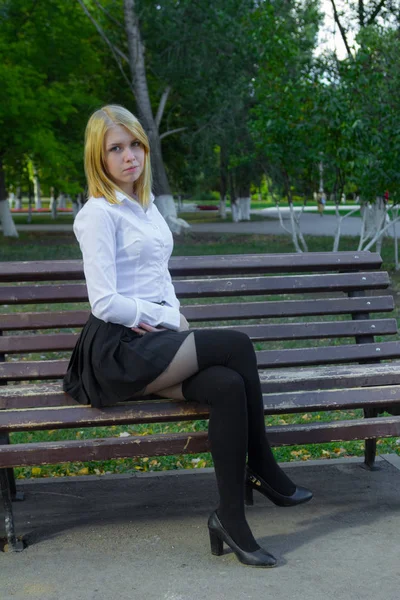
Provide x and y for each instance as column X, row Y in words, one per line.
column 51, row 79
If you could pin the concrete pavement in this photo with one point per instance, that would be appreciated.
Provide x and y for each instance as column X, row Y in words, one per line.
column 145, row 536
column 311, row 224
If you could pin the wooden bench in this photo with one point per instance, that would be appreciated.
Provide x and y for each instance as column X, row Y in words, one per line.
column 331, row 305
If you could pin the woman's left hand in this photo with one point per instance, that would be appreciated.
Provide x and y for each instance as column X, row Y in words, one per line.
column 145, row 328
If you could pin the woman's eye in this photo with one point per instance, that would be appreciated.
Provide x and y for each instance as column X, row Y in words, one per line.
column 114, row 148
column 136, row 144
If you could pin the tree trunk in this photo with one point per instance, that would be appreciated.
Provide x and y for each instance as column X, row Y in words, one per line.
column 18, row 198
column 61, row 200
column 396, row 243
column 6, row 219
column 223, row 181
column 162, row 190
column 293, row 223
column 36, row 189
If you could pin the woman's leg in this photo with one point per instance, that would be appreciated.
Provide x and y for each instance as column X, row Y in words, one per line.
column 224, row 391
column 205, row 348
column 235, row 351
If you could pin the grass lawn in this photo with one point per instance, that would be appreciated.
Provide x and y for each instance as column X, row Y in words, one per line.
column 51, row 246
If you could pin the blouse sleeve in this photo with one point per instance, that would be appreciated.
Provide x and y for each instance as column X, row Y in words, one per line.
column 169, row 294
column 95, row 231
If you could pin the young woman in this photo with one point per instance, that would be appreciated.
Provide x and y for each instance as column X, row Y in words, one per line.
column 136, row 342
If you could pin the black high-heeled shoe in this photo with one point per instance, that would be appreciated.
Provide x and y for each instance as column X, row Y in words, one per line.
column 219, row 535
column 254, row 482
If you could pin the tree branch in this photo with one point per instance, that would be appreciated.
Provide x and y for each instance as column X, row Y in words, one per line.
column 109, row 15
column 162, row 104
column 361, row 12
column 375, row 13
column 164, row 135
column 342, row 31
column 114, row 50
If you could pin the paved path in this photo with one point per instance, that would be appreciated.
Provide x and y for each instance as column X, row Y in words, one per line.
column 145, row 537
column 311, row 224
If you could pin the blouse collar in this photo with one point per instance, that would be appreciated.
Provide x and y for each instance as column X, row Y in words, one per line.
column 123, row 198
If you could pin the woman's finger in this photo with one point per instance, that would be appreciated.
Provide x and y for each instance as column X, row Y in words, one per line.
column 138, row 330
column 147, row 327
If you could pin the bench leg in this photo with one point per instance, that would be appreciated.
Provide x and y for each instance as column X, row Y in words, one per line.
column 14, row 545
column 15, row 496
column 370, row 445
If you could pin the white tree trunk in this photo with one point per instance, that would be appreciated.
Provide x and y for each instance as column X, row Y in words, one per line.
column 222, row 208
column 364, row 215
column 244, row 204
column 36, row 189
column 380, row 233
column 53, row 205
column 339, row 226
column 7, row 223
column 396, row 243
column 61, row 200
column 176, row 225
column 278, row 208
column 294, row 229
column 11, row 199
column 299, row 234
column 236, row 212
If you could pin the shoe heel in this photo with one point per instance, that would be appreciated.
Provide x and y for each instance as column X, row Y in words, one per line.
column 217, row 545
column 248, row 494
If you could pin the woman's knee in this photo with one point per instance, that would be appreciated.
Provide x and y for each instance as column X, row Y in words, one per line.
column 215, row 385
column 222, row 343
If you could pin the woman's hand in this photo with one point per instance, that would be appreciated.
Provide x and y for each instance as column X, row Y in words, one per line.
column 145, row 328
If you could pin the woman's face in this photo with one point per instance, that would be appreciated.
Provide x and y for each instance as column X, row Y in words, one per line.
column 124, row 157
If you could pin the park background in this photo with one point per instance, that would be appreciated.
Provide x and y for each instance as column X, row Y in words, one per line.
column 244, row 101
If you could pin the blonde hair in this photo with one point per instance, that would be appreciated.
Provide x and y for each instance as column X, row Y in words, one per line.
column 99, row 183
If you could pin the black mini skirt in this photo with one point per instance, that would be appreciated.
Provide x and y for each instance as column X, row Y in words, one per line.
column 110, row 362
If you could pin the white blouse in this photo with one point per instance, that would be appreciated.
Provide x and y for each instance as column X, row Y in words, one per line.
column 125, row 259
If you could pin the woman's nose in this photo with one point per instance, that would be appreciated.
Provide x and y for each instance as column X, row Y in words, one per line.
column 129, row 154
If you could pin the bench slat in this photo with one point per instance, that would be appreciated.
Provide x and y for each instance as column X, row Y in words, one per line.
column 164, row 411
column 211, row 288
column 328, row 354
column 274, row 383
column 287, row 308
column 55, row 369
column 271, row 332
column 329, row 377
column 43, row 320
column 15, row 455
column 214, row 312
column 203, row 265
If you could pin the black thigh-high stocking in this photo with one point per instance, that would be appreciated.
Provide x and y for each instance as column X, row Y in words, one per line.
column 234, row 350
column 224, row 391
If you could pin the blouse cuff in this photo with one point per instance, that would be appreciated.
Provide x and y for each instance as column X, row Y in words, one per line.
column 171, row 318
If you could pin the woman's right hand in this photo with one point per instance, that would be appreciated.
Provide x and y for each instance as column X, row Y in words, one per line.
column 145, row 328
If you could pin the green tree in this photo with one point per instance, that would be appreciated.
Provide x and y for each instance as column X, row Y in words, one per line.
column 52, row 78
